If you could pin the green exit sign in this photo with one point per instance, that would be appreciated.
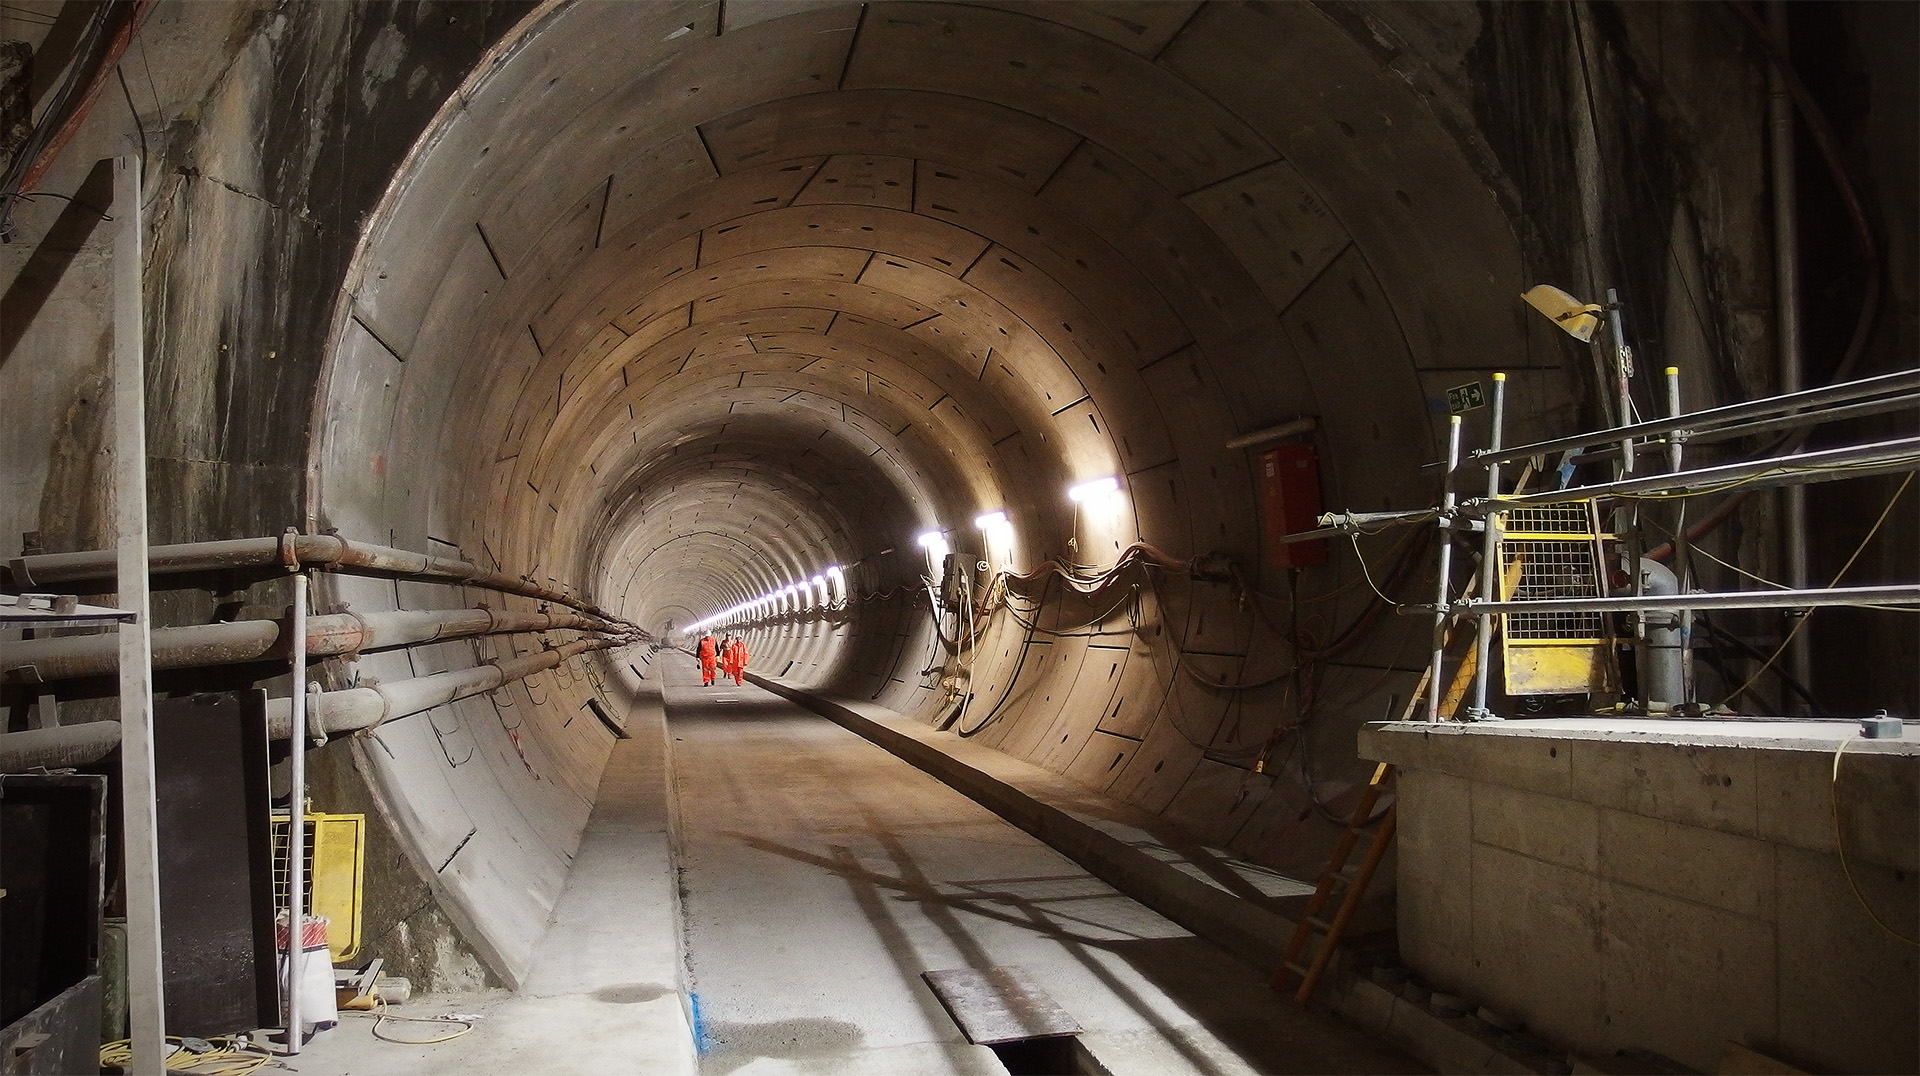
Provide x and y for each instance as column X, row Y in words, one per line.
column 1464, row 398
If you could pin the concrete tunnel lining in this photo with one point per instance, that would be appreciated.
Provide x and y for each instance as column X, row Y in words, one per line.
column 1098, row 251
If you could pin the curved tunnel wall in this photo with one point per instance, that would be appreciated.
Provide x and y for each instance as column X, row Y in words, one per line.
column 684, row 312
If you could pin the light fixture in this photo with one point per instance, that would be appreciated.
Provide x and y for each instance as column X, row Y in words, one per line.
column 838, row 581
column 1093, row 489
column 990, row 520
column 820, row 584
column 1577, row 319
column 929, row 539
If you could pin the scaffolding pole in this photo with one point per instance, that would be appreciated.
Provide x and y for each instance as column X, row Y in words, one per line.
column 146, row 987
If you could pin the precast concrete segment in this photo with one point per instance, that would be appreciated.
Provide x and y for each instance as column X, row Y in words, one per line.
column 821, row 876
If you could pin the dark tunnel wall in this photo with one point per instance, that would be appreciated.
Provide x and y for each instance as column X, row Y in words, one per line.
column 677, row 304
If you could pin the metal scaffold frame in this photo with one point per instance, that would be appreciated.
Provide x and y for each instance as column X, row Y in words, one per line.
column 1622, row 445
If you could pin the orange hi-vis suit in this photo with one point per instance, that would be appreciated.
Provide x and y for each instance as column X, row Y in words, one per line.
column 709, row 652
column 737, row 661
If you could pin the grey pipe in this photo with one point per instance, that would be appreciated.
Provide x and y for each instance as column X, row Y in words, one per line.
column 1697, row 422
column 201, row 645
column 1662, row 668
column 1828, row 465
column 1902, row 594
column 325, row 551
column 55, row 748
column 1786, row 277
column 331, row 713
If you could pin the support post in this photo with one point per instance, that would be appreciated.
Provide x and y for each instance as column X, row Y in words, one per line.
column 1489, row 559
column 146, row 988
column 297, row 815
column 1441, row 600
column 1786, row 277
column 1682, row 554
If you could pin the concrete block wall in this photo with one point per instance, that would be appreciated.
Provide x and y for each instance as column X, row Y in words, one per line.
column 1664, row 893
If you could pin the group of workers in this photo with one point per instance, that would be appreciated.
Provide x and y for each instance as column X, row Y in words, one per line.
column 728, row 657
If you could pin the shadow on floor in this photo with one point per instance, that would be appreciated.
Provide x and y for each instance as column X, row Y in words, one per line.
column 1214, row 989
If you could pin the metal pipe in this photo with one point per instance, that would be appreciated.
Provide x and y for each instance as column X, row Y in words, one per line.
column 333, row 713
column 1682, row 559
column 1853, row 461
column 1905, row 401
column 1661, row 681
column 1623, row 377
column 297, row 815
column 1489, row 559
column 202, row 645
column 54, row 748
column 325, row 551
column 1891, row 594
column 1434, row 686
column 1786, row 277
column 1881, row 384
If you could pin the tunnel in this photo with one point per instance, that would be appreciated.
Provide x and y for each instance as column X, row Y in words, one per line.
column 944, row 353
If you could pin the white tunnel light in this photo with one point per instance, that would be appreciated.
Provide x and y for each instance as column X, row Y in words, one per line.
column 990, row 520
column 838, row 583
column 820, row 584
column 935, row 543
column 1093, row 490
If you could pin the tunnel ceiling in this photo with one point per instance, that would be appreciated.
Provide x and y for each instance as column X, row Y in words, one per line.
column 684, row 302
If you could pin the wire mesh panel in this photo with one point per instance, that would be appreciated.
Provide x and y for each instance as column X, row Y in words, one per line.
column 334, row 855
column 1546, row 552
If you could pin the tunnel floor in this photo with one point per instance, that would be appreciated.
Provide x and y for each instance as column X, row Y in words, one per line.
column 819, row 876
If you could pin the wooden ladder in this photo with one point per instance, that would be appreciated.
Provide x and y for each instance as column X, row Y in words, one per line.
column 1295, row 960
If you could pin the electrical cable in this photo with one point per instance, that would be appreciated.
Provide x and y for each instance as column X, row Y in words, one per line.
column 1840, row 844
column 381, row 1014
column 1787, row 679
column 1808, row 614
column 227, row 1055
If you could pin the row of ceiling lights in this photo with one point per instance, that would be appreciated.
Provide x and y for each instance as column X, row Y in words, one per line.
column 831, row 585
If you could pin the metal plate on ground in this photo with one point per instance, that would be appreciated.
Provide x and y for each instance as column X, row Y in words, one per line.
column 1000, row 1004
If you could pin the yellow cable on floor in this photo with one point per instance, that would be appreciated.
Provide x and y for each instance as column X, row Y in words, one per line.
column 225, row 1059
column 381, row 1015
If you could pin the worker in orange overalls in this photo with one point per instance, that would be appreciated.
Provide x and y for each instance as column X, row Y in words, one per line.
column 709, row 653
column 739, row 661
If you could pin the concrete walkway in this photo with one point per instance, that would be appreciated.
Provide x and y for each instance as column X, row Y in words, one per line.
column 604, row 993
column 821, row 875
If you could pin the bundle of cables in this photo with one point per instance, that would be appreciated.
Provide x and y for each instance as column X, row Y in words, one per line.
column 221, row 1055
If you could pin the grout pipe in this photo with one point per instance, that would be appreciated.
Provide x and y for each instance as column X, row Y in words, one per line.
column 328, row 552
column 204, row 645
